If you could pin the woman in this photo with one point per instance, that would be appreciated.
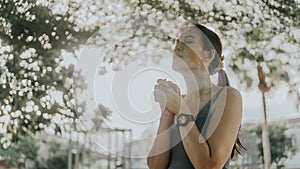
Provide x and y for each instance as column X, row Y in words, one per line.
column 199, row 130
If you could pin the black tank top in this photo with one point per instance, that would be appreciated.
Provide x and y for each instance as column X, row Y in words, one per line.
column 178, row 157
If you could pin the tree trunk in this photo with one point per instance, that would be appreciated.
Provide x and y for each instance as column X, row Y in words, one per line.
column 264, row 88
column 265, row 137
column 70, row 155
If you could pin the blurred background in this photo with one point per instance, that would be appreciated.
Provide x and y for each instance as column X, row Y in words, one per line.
column 76, row 78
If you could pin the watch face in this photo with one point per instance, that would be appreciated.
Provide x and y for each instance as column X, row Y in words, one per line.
column 182, row 120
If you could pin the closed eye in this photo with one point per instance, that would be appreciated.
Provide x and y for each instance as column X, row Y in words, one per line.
column 189, row 39
column 189, row 42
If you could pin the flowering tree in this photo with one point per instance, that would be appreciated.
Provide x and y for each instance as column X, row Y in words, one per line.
column 38, row 82
column 34, row 34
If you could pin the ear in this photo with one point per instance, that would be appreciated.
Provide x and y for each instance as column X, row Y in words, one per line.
column 211, row 55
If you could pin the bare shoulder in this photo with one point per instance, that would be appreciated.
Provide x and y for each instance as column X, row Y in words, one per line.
column 232, row 93
column 233, row 102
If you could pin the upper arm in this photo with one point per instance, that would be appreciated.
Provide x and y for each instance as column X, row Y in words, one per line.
column 224, row 125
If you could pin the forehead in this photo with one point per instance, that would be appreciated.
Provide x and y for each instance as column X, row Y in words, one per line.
column 189, row 31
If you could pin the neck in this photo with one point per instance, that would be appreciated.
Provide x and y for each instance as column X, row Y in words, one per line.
column 200, row 82
column 199, row 88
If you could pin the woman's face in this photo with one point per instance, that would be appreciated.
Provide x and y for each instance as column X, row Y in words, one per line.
column 189, row 54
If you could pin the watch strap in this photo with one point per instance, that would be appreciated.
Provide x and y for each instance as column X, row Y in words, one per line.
column 184, row 119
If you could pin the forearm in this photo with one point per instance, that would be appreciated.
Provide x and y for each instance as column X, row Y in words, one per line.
column 159, row 155
column 195, row 144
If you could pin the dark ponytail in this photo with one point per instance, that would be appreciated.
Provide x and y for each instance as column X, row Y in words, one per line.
column 222, row 76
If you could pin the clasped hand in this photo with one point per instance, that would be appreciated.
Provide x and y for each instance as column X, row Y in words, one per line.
column 168, row 95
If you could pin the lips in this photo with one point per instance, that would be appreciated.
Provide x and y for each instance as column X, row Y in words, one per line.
column 176, row 54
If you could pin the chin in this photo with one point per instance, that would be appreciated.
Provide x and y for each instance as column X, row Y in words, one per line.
column 176, row 68
column 181, row 70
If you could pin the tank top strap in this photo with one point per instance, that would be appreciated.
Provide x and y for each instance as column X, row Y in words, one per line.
column 216, row 95
column 209, row 116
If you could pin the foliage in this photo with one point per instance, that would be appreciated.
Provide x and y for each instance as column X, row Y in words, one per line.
column 37, row 86
column 58, row 156
column 58, row 161
column 23, row 150
column 282, row 145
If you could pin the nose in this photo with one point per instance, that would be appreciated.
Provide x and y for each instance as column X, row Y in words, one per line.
column 178, row 46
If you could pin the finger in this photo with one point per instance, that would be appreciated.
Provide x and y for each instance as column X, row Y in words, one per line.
column 167, row 91
column 159, row 95
column 164, row 88
column 162, row 82
column 158, row 92
column 174, row 86
column 166, row 96
column 160, row 98
column 170, row 90
column 169, row 84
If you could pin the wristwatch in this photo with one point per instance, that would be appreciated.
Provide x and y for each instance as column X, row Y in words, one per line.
column 184, row 119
